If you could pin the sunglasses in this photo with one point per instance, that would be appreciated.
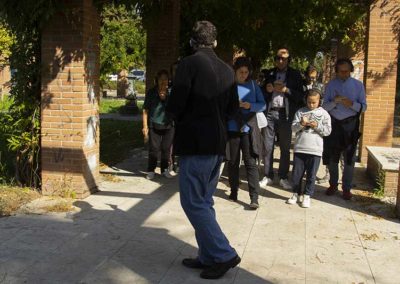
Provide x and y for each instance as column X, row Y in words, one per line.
column 279, row 58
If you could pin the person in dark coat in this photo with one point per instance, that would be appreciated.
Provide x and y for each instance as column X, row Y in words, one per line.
column 203, row 95
column 241, row 133
column 284, row 96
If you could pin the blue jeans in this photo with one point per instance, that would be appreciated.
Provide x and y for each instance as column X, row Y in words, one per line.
column 305, row 163
column 198, row 179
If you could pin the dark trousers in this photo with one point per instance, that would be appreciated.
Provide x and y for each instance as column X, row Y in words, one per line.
column 277, row 125
column 160, row 140
column 305, row 163
column 242, row 142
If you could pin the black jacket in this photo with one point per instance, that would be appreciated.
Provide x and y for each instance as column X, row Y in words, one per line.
column 294, row 82
column 203, row 95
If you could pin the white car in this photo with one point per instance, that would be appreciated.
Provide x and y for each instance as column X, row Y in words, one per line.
column 137, row 74
column 113, row 77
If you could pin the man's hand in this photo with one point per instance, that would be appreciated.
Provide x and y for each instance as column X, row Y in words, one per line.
column 343, row 100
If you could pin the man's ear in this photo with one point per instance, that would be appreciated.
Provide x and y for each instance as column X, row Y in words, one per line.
column 215, row 44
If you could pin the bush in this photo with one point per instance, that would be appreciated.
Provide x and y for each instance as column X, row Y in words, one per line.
column 5, row 103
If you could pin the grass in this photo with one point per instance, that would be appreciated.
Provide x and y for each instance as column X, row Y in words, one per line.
column 140, row 87
column 62, row 206
column 118, row 138
column 12, row 198
column 111, row 105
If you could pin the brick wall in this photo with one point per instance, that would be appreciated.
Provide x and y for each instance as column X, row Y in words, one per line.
column 380, row 78
column 162, row 40
column 70, row 93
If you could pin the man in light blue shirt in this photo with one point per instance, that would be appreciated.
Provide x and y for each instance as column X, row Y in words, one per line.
column 345, row 100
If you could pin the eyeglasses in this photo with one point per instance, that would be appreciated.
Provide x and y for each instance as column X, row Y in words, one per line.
column 279, row 58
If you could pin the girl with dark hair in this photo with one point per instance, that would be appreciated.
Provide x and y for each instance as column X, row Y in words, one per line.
column 243, row 132
column 158, row 127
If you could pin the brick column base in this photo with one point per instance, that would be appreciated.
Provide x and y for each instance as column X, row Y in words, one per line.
column 70, row 93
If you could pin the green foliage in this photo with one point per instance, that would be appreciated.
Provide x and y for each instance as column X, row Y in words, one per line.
column 379, row 189
column 6, row 41
column 260, row 27
column 123, row 40
column 21, row 124
column 7, row 157
column 118, row 138
column 6, row 103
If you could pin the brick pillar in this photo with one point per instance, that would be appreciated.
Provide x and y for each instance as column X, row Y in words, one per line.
column 70, row 94
column 380, row 78
column 162, row 40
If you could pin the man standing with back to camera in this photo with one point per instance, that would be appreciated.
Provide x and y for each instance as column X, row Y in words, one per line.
column 203, row 95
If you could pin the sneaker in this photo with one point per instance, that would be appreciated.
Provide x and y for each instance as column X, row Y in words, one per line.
column 347, row 195
column 306, row 203
column 219, row 269
column 266, row 181
column 285, row 184
column 254, row 205
column 331, row 190
column 150, row 175
column 166, row 173
column 294, row 199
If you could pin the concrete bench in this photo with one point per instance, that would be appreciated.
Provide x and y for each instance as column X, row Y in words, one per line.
column 386, row 161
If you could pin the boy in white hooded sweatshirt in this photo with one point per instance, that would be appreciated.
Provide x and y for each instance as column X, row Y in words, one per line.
column 311, row 124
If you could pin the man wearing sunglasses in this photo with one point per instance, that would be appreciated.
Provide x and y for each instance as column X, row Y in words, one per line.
column 284, row 93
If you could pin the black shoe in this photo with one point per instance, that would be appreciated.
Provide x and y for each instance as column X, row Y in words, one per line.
column 194, row 263
column 233, row 196
column 219, row 269
column 254, row 204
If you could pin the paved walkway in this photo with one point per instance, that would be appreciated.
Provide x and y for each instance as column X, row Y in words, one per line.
column 134, row 231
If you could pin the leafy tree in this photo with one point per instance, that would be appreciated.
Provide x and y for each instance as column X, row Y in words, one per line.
column 21, row 124
column 260, row 27
column 6, row 42
column 123, row 40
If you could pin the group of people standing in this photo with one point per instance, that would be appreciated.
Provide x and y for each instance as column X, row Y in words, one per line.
column 213, row 113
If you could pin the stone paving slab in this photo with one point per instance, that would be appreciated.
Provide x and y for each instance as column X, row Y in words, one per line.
column 134, row 231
